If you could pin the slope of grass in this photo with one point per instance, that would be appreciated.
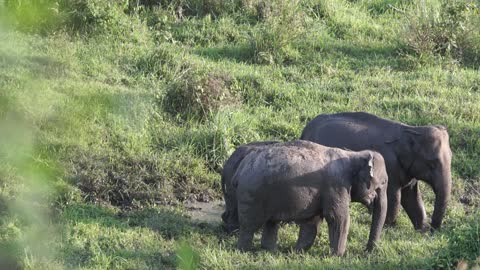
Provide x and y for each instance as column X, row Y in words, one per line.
column 111, row 116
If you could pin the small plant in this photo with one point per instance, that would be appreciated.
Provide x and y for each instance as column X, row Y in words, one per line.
column 282, row 25
column 187, row 257
column 199, row 94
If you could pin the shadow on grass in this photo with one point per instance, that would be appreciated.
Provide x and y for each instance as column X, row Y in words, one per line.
column 116, row 243
column 356, row 57
column 361, row 57
column 169, row 222
column 241, row 53
column 38, row 66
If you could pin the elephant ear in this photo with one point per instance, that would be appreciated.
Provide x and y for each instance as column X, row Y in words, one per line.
column 370, row 164
column 412, row 140
column 367, row 170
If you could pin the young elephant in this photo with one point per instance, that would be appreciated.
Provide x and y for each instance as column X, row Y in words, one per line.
column 303, row 181
column 230, row 215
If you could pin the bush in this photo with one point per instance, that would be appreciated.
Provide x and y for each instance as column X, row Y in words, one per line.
column 199, row 94
column 450, row 30
column 273, row 40
column 128, row 180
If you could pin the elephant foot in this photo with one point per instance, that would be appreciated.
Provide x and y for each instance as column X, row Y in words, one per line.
column 245, row 240
column 231, row 229
column 370, row 247
column 390, row 224
column 269, row 236
column 424, row 228
column 306, row 237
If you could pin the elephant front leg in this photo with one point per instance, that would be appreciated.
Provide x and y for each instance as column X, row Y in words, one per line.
column 413, row 204
column 393, row 197
column 269, row 235
column 338, row 226
column 307, row 234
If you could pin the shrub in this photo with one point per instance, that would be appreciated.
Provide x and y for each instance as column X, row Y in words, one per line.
column 448, row 30
column 125, row 180
column 198, row 94
column 104, row 17
column 273, row 40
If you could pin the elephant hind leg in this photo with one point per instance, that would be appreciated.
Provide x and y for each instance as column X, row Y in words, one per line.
column 251, row 220
column 413, row 204
column 269, row 235
column 307, row 234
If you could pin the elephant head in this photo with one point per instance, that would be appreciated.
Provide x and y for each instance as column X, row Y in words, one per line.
column 424, row 153
column 370, row 189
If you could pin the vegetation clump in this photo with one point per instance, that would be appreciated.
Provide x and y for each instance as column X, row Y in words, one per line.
column 200, row 94
column 450, row 29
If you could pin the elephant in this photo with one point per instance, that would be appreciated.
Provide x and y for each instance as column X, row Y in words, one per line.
column 306, row 182
column 230, row 215
column 410, row 153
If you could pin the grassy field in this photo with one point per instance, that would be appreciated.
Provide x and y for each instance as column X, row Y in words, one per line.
column 113, row 114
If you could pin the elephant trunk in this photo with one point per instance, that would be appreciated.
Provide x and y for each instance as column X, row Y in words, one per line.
column 442, row 186
column 378, row 217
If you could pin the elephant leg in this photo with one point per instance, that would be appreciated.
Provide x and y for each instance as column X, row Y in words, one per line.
column 413, row 204
column 232, row 222
column 307, row 234
column 393, row 197
column 269, row 235
column 338, row 226
column 245, row 239
column 251, row 219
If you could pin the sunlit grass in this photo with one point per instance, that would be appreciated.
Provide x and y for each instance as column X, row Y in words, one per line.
column 89, row 157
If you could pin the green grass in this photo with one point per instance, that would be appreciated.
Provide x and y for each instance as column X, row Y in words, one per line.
column 95, row 165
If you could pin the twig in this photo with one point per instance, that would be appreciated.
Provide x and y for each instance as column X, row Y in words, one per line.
column 396, row 9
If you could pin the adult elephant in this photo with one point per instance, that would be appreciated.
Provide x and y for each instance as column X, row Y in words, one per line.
column 410, row 153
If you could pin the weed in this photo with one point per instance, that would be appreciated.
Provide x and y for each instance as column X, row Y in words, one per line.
column 446, row 30
column 273, row 40
column 199, row 94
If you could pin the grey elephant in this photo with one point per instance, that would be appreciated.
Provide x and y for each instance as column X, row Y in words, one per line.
column 306, row 182
column 230, row 215
column 410, row 153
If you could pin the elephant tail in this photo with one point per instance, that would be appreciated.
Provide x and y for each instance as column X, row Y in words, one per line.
column 225, row 213
column 230, row 214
